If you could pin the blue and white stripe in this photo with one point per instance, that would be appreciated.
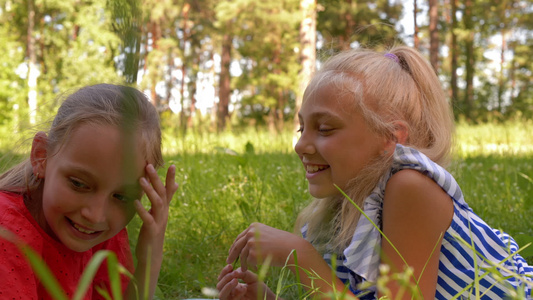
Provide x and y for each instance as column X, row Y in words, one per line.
column 459, row 264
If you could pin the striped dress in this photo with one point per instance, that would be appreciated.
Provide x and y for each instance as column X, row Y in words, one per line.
column 458, row 262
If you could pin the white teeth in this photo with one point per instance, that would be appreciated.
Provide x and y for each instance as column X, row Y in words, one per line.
column 83, row 229
column 314, row 169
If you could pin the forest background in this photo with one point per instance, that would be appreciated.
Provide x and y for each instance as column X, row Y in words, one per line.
column 227, row 78
column 208, row 64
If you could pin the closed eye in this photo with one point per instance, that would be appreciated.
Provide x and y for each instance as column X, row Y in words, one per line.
column 325, row 130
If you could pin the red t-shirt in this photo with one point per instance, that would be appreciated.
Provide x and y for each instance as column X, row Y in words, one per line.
column 17, row 279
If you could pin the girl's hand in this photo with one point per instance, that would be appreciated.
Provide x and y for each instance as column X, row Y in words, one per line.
column 259, row 241
column 229, row 286
column 152, row 234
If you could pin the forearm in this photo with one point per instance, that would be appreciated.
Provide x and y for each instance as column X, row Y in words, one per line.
column 146, row 276
column 316, row 275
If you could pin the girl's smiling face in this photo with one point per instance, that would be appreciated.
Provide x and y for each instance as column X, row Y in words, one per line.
column 335, row 142
column 89, row 185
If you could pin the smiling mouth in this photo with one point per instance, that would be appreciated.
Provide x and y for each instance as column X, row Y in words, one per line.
column 81, row 229
column 315, row 169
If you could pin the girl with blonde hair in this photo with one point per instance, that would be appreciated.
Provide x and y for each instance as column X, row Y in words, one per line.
column 377, row 127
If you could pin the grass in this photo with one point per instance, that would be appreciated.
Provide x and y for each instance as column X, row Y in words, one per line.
column 228, row 181
column 219, row 196
column 223, row 189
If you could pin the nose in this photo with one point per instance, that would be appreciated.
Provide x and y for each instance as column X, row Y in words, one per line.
column 304, row 145
column 94, row 209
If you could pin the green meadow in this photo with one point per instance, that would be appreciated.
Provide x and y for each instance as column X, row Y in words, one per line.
column 232, row 179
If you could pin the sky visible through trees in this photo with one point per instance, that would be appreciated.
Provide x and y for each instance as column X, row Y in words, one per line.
column 209, row 64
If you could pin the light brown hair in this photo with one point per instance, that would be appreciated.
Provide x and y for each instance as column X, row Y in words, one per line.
column 102, row 104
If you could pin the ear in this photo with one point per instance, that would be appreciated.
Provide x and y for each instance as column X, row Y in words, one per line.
column 38, row 154
column 399, row 136
column 401, row 132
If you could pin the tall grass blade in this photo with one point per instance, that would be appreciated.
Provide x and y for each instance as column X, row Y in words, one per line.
column 89, row 273
column 261, row 275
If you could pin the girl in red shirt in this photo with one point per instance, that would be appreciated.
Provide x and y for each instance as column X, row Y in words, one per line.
column 78, row 190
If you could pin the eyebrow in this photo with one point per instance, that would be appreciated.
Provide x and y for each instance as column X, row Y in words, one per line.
column 81, row 170
column 320, row 115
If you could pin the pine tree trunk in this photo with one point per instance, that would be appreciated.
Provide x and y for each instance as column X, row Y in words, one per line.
column 156, row 34
column 434, row 34
column 501, row 79
column 186, row 35
column 169, row 79
column 194, row 88
column 307, row 50
column 453, row 55
column 416, row 40
column 470, row 60
column 224, row 91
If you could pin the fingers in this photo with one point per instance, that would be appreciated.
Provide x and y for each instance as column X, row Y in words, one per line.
column 241, row 240
column 225, row 271
column 233, row 290
column 236, row 247
column 153, row 177
column 145, row 215
column 152, row 186
column 159, row 195
column 170, row 183
column 244, row 258
column 228, row 283
column 244, row 247
column 225, row 276
column 248, row 277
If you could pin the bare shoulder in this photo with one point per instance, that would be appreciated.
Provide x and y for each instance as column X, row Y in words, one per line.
column 410, row 179
column 410, row 193
column 416, row 215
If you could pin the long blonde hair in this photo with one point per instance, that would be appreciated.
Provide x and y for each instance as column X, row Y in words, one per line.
column 103, row 104
column 399, row 86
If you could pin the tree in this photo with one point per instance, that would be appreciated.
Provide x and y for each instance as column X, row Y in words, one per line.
column 161, row 46
column 346, row 24
column 517, row 20
column 265, row 39
column 453, row 54
column 416, row 38
column 225, row 26
column 13, row 88
column 178, row 50
column 65, row 46
column 307, row 50
column 469, row 58
column 266, row 51
column 224, row 88
column 434, row 34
